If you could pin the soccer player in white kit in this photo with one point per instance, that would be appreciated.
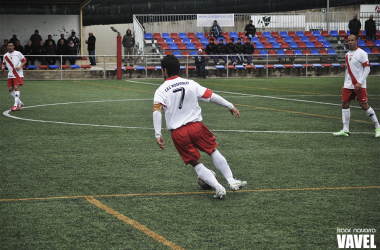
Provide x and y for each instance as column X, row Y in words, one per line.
column 355, row 86
column 179, row 99
column 14, row 61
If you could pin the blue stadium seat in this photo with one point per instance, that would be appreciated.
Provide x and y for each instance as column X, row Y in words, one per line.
column 288, row 39
column 233, row 34
column 260, row 46
column 75, row 66
column 259, row 66
column 177, row 54
column 367, row 50
column 264, row 53
column 321, row 39
column 220, row 38
column 331, row 52
column 297, row 65
column 165, row 35
column 266, row 34
column 327, row 44
column 191, row 46
column 239, row 67
column 278, row 66
column 314, row 52
column 186, row 40
column 182, row 67
column 336, row 65
column 298, row 52
column 283, row 34
column 173, row 46
column 32, row 67
column 271, row 39
column 276, row 45
column 316, row 33
column 203, row 40
column 122, row 68
column 193, row 53
column 374, row 64
column 182, row 35
column 54, row 66
column 281, row 53
column 219, row 67
column 362, row 44
column 148, row 36
column 304, row 39
column 317, row 65
column 299, row 33
column 169, row 40
column 140, row 68
column 334, row 33
column 310, row 45
column 377, row 43
column 293, row 45
column 348, row 32
column 255, row 39
column 158, row 67
column 199, row 35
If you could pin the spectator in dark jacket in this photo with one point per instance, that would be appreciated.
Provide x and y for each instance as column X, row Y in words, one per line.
column 62, row 49
column 13, row 39
column 248, row 50
column 231, row 51
column 354, row 26
column 72, row 52
column 250, row 29
column 48, row 40
column 215, row 30
column 75, row 40
column 41, row 51
column 28, row 51
column 200, row 63
column 35, row 38
column 4, row 47
column 370, row 29
column 211, row 50
column 221, row 49
column 128, row 44
column 63, row 38
column 18, row 47
column 51, row 50
column 239, row 50
column 91, row 47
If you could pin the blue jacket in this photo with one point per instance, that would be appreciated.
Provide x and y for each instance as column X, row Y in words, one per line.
column 201, row 60
column 216, row 30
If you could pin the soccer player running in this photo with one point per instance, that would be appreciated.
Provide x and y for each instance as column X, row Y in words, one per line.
column 355, row 86
column 179, row 99
column 14, row 61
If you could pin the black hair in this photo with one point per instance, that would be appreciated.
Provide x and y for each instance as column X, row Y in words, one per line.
column 11, row 43
column 239, row 39
column 248, row 38
column 171, row 64
column 212, row 39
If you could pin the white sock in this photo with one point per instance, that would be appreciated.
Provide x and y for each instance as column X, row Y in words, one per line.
column 371, row 114
column 222, row 165
column 17, row 97
column 12, row 93
column 206, row 175
column 346, row 115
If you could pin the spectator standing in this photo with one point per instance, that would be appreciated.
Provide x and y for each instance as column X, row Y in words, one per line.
column 200, row 61
column 222, row 50
column 41, row 52
column 211, row 50
column 231, row 51
column 75, row 40
column 13, row 39
column 248, row 50
column 215, row 30
column 51, row 50
column 354, row 26
column 239, row 50
column 128, row 44
column 72, row 52
column 19, row 48
column 370, row 29
column 28, row 51
column 63, row 38
column 62, row 49
column 250, row 29
column 4, row 47
column 91, row 47
column 48, row 40
column 35, row 38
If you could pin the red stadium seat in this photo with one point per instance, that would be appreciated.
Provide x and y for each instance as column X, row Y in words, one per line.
column 156, row 35
column 199, row 46
column 241, row 34
column 308, row 65
column 186, row 53
column 64, row 66
column 270, row 66
column 325, row 33
column 259, row 34
column 194, row 40
column 272, row 53
column 262, row 39
column 177, row 40
column 306, row 52
column 296, row 39
column 43, row 67
column 256, row 53
column 279, row 39
column 313, row 39
column 191, row 35
column 249, row 66
column 275, row 34
column 168, row 52
column 173, row 35
column 86, row 66
column 285, row 45
column 375, row 51
column 302, row 45
column 230, row 66
column 318, row 45
column 191, row 67
column 292, row 33
column 182, row 46
column 342, row 33
column 323, row 52
column 326, row 65
column 150, row 68
column 289, row 53
column 370, row 44
column 288, row 66
column 345, row 38
column 360, row 32
column 160, row 40
column 207, row 33
column 165, row 46
column 129, row 68
column 225, row 34
column 268, row 45
column 308, row 33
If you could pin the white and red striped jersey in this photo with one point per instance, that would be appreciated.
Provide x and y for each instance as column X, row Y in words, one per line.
column 179, row 98
column 356, row 61
column 13, row 60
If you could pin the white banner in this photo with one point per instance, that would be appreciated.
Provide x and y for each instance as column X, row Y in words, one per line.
column 278, row 21
column 207, row 20
column 370, row 8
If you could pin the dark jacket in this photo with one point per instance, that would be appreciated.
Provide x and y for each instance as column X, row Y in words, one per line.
column 370, row 27
column 47, row 42
column 41, row 50
column 74, row 39
column 211, row 48
column 250, row 30
column 35, row 40
column 20, row 49
column 62, row 49
column 230, row 48
column 29, row 50
column 221, row 48
column 128, row 39
column 215, row 31
column 199, row 60
column 239, row 48
column 72, row 50
column 248, row 48
column 51, row 50
column 354, row 26
column 91, row 43
column 64, row 41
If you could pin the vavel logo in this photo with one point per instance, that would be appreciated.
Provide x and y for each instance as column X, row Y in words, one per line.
column 356, row 238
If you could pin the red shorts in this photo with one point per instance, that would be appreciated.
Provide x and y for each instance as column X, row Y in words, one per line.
column 191, row 137
column 350, row 95
column 15, row 81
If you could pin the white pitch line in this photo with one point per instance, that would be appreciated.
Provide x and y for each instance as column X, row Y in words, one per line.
column 143, row 82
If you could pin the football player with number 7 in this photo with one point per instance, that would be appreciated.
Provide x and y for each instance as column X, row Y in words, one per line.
column 178, row 97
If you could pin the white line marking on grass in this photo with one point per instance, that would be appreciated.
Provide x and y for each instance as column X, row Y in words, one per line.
column 149, row 83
